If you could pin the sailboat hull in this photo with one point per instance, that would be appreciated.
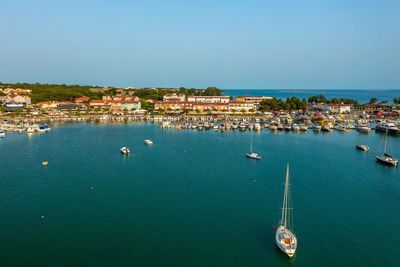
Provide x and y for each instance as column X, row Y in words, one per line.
column 286, row 241
column 386, row 161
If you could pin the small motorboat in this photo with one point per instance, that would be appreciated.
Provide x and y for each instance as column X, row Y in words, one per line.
column 125, row 150
column 2, row 134
column 148, row 142
column 253, row 156
column 362, row 147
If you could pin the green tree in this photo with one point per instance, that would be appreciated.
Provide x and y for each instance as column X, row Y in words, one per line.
column 373, row 100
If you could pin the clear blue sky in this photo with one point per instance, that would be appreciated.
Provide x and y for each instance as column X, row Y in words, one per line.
column 338, row 44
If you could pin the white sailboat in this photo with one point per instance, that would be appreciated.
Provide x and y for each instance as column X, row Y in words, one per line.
column 285, row 238
column 386, row 159
column 252, row 155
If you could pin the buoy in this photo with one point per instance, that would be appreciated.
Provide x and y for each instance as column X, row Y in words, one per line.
column 254, row 180
column 45, row 163
column 42, row 217
column 273, row 227
column 91, row 188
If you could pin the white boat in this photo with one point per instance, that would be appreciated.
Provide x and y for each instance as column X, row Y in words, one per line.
column 252, row 155
column 273, row 128
column 362, row 147
column 303, row 128
column 125, row 150
column 148, row 142
column 295, row 128
column 284, row 237
column 317, row 128
column 30, row 130
column 386, row 159
column 2, row 134
column 390, row 128
column 363, row 128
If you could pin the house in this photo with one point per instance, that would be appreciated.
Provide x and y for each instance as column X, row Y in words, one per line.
column 337, row 108
column 80, row 100
column 378, row 107
column 209, row 99
column 255, row 99
column 173, row 105
column 204, row 107
column 131, row 105
column 174, row 97
column 14, row 98
column 238, row 106
column 70, row 106
column 100, row 103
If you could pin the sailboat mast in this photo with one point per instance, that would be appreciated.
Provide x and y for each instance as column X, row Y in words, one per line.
column 384, row 151
column 285, row 198
column 251, row 143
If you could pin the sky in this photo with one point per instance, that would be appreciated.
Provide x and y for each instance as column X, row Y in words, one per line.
column 281, row 44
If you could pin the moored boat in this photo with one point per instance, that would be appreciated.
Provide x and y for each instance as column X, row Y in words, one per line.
column 362, row 147
column 125, row 150
column 284, row 237
column 148, row 142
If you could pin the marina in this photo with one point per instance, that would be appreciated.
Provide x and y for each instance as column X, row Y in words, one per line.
column 183, row 194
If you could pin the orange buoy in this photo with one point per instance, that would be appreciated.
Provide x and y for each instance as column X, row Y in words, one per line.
column 45, row 163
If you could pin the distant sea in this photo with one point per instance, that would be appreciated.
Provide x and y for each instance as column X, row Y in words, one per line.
column 363, row 96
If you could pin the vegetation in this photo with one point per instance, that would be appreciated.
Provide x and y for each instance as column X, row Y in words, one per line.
column 57, row 92
column 323, row 99
column 396, row 101
column 63, row 92
column 279, row 104
column 373, row 100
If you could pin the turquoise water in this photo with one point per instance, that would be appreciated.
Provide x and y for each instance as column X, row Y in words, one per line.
column 191, row 199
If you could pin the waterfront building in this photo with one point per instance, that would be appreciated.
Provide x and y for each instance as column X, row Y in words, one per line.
column 371, row 108
column 337, row 108
column 255, row 99
column 131, row 105
column 80, row 100
column 209, row 99
column 173, row 105
column 15, row 98
column 100, row 103
column 240, row 106
column 174, row 97
column 204, row 107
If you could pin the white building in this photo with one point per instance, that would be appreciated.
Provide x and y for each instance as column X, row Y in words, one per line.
column 209, row 99
column 241, row 106
column 174, row 97
column 337, row 108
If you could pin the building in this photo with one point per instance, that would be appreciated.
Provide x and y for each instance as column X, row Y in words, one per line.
column 17, row 99
column 249, row 98
column 173, row 105
column 337, row 108
column 83, row 99
column 70, row 106
column 100, row 103
column 209, row 99
column 52, row 104
column 174, row 97
column 238, row 106
column 378, row 107
column 207, row 107
column 131, row 105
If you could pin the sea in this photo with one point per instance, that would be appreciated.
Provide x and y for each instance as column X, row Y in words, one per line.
column 363, row 96
column 193, row 198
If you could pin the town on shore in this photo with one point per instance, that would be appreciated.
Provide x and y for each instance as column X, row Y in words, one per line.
column 24, row 102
